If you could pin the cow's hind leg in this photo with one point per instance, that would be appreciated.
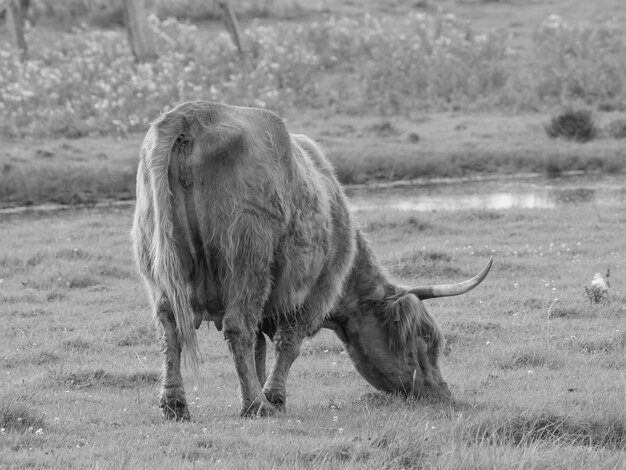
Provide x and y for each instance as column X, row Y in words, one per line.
column 249, row 285
column 239, row 331
column 287, row 342
column 172, row 397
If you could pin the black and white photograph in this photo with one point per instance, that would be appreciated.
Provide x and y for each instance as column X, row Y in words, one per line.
column 313, row 234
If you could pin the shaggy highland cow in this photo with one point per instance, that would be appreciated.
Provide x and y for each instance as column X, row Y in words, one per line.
column 243, row 224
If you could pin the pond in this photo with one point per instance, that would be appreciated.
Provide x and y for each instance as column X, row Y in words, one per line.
column 497, row 194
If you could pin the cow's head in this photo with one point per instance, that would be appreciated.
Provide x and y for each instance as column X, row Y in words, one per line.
column 393, row 341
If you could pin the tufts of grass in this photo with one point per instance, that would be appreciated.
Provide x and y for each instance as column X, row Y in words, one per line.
column 77, row 344
column 333, row 453
column 615, row 362
column 81, row 281
column 416, row 264
column 36, row 259
column 111, row 271
column 560, row 310
column 72, row 254
column 406, row 455
column 18, row 415
column 377, row 400
column 405, row 223
column 45, row 358
column 63, row 276
column 467, row 333
column 599, row 346
column 397, row 401
column 56, row 295
column 472, row 328
column 41, row 358
column 402, row 447
column 9, row 262
column 536, row 428
column 530, row 357
column 28, row 298
column 32, row 313
column 137, row 336
column 102, row 378
column 571, row 124
column 534, row 303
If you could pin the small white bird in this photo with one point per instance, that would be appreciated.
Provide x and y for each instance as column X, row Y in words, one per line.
column 598, row 283
column 599, row 290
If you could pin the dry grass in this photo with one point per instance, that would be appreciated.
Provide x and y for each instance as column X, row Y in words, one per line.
column 80, row 364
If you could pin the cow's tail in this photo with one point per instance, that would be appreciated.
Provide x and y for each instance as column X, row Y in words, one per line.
column 168, row 270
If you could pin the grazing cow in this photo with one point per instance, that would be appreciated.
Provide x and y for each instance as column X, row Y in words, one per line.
column 241, row 223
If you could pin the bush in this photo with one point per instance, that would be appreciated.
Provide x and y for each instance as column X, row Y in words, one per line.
column 572, row 124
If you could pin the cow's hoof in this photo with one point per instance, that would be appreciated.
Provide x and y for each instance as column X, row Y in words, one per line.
column 276, row 398
column 258, row 409
column 175, row 410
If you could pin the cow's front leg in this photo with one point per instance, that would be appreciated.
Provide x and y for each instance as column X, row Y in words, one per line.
column 287, row 343
column 172, row 397
column 240, row 334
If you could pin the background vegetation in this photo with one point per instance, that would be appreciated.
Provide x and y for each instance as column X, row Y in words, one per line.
column 86, row 81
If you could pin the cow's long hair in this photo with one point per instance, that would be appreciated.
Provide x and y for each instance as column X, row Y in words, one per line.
column 412, row 330
column 167, row 269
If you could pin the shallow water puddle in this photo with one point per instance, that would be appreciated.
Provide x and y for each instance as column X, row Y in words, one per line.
column 494, row 195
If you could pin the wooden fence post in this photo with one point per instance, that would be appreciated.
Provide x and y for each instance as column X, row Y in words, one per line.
column 139, row 35
column 232, row 25
column 15, row 24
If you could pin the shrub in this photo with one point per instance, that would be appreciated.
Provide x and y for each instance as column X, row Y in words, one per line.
column 572, row 124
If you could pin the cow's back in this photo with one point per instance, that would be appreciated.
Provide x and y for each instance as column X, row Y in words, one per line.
column 244, row 198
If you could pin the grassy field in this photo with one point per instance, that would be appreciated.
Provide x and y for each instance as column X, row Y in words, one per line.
column 537, row 382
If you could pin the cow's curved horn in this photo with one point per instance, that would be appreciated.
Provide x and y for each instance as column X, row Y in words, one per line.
column 447, row 290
